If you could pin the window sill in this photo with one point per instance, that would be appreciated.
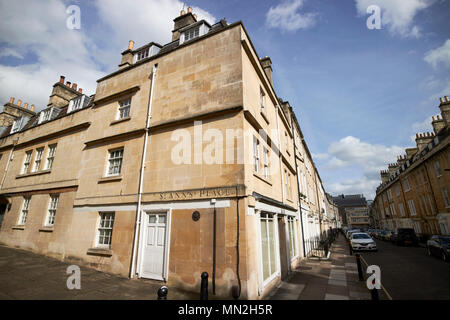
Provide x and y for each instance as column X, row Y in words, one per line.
column 46, row 229
column 264, row 115
column 120, row 121
column 100, row 252
column 18, row 227
column 110, row 179
column 37, row 173
column 262, row 178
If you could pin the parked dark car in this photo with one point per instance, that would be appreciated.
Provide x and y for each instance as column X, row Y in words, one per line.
column 405, row 236
column 439, row 246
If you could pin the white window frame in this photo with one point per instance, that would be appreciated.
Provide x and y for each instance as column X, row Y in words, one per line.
column 266, row 163
column 272, row 274
column 24, row 211
column 401, row 209
column 437, row 169
column 406, row 185
column 445, row 197
column 50, row 156
column 76, row 103
column 262, row 97
column 111, row 159
column 106, row 224
column 38, row 159
column 27, row 161
column 255, row 154
column 412, row 207
column 292, row 222
column 124, row 108
column 393, row 211
column 142, row 54
column 51, row 210
column 191, row 33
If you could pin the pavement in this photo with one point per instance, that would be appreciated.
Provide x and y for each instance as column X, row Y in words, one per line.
column 335, row 278
column 28, row 276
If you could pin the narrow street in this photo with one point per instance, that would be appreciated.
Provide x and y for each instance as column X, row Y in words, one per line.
column 409, row 273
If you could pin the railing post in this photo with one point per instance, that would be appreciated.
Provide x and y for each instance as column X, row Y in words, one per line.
column 374, row 294
column 358, row 264
column 350, row 248
column 162, row 293
column 204, row 287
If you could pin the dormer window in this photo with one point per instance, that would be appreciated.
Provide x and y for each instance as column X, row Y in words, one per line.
column 16, row 125
column 146, row 52
column 48, row 114
column 194, row 31
column 78, row 103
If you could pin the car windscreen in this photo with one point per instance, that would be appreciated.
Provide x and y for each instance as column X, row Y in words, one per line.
column 445, row 240
column 361, row 236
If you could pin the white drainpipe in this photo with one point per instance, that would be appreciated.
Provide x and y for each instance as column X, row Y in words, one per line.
column 141, row 179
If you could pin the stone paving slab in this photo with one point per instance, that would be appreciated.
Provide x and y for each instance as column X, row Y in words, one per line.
column 333, row 279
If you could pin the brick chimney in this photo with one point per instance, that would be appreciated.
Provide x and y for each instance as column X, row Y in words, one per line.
column 266, row 63
column 384, row 176
column 127, row 56
column 422, row 139
column 401, row 160
column 438, row 123
column 183, row 20
column 62, row 93
column 445, row 110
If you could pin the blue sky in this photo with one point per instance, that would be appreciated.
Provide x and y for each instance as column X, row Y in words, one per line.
column 359, row 94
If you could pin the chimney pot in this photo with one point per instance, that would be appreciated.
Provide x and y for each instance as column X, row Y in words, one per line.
column 19, row 102
column 195, row 16
column 190, row 9
column 182, row 13
column 74, row 86
column 32, row 107
column 11, row 100
column 61, row 79
column 438, row 117
column 446, row 98
column 68, row 83
column 80, row 90
column 432, row 118
column 130, row 45
column 25, row 105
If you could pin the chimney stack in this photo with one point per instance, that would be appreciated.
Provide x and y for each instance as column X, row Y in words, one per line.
column 74, row 86
column 384, row 176
column 411, row 151
column 422, row 140
column 445, row 110
column 266, row 64
column 438, row 123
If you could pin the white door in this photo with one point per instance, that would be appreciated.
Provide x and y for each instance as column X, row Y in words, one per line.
column 153, row 246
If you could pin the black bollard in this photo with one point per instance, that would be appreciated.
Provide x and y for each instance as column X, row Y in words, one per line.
column 162, row 293
column 325, row 247
column 204, row 287
column 358, row 264
column 350, row 248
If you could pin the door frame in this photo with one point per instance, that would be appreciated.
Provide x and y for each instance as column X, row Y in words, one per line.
column 144, row 217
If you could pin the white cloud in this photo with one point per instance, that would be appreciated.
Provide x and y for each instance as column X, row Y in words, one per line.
column 8, row 52
column 286, row 16
column 397, row 15
column 38, row 29
column 439, row 55
column 358, row 156
column 320, row 156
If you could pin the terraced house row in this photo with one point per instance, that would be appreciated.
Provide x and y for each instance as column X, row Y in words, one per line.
column 184, row 160
column 414, row 192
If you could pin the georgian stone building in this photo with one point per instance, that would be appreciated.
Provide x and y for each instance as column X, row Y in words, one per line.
column 414, row 192
column 183, row 161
